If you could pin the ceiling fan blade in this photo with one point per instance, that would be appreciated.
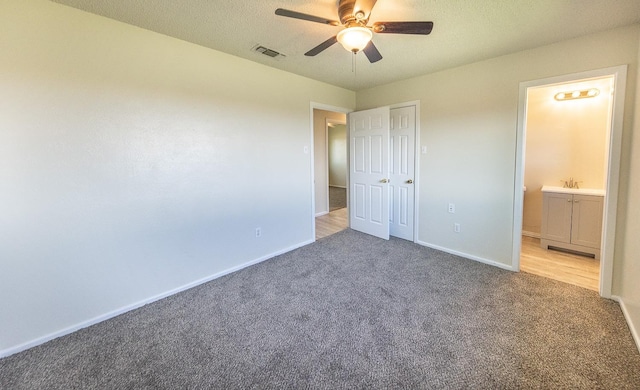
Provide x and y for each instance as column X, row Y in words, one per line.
column 422, row 28
column 372, row 53
column 311, row 18
column 365, row 6
column 321, row 47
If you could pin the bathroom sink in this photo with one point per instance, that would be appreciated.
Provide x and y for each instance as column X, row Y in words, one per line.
column 575, row 191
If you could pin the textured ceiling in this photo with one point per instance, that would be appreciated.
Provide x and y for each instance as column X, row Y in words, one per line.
column 464, row 31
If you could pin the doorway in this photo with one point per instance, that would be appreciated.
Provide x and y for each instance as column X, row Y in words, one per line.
column 324, row 120
column 404, row 137
column 337, row 218
column 566, row 144
column 556, row 139
column 337, row 165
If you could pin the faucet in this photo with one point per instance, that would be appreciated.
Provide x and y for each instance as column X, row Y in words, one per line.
column 570, row 183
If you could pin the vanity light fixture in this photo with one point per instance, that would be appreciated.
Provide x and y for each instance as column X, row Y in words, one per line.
column 582, row 94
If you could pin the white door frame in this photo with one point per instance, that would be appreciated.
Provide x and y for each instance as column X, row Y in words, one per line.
column 325, row 107
column 619, row 74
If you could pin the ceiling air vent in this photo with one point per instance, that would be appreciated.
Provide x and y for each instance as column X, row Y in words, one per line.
column 268, row 52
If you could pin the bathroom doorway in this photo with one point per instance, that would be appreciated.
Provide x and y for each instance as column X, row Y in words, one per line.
column 566, row 144
column 569, row 136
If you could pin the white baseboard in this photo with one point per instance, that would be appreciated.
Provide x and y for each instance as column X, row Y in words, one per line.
column 530, row 234
column 633, row 327
column 320, row 214
column 122, row 310
column 467, row 256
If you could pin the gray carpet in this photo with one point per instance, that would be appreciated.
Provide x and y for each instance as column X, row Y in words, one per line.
column 350, row 311
column 337, row 198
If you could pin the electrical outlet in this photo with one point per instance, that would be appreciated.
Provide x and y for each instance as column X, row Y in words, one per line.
column 452, row 208
column 258, row 232
column 456, row 227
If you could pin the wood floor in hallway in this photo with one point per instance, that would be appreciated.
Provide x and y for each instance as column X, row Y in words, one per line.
column 331, row 223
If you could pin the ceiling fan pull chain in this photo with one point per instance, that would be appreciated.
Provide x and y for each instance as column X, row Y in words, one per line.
column 353, row 64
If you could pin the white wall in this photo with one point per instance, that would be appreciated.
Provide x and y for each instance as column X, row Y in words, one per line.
column 321, row 174
column 627, row 272
column 337, row 139
column 468, row 122
column 133, row 164
column 565, row 139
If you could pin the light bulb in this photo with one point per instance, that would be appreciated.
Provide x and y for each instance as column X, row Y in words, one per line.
column 354, row 39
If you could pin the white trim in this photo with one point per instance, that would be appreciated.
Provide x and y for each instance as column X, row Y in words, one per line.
column 326, row 162
column 320, row 214
column 466, row 256
column 632, row 327
column 613, row 178
column 619, row 74
column 122, row 310
column 312, row 161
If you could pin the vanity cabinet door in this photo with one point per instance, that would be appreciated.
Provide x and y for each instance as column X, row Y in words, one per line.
column 556, row 219
column 586, row 222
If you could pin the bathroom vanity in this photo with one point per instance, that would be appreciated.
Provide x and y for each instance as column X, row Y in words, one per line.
column 572, row 219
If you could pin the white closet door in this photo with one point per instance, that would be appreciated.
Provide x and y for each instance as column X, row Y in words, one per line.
column 369, row 170
column 402, row 172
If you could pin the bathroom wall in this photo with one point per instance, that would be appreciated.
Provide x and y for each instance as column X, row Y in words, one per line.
column 564, row 139
column 337, row 139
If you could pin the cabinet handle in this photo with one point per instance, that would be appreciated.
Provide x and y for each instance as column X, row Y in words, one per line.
column 576, row 201
column 568, row 200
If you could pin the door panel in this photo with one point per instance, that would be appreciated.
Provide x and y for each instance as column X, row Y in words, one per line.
column 369, row 155
column 378, row 203
column 556, row 223
column 586, row 222
column 402, row 169
column 358, row 204
column 378, row 155
column 358, row 161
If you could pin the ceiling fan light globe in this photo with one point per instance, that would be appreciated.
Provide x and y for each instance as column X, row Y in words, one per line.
column 354, row 39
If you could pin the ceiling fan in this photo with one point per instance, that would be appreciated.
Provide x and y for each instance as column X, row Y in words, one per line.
column 356, row 36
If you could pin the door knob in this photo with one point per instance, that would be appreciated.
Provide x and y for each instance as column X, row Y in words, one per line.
column 409, row 181
column 385, row 181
